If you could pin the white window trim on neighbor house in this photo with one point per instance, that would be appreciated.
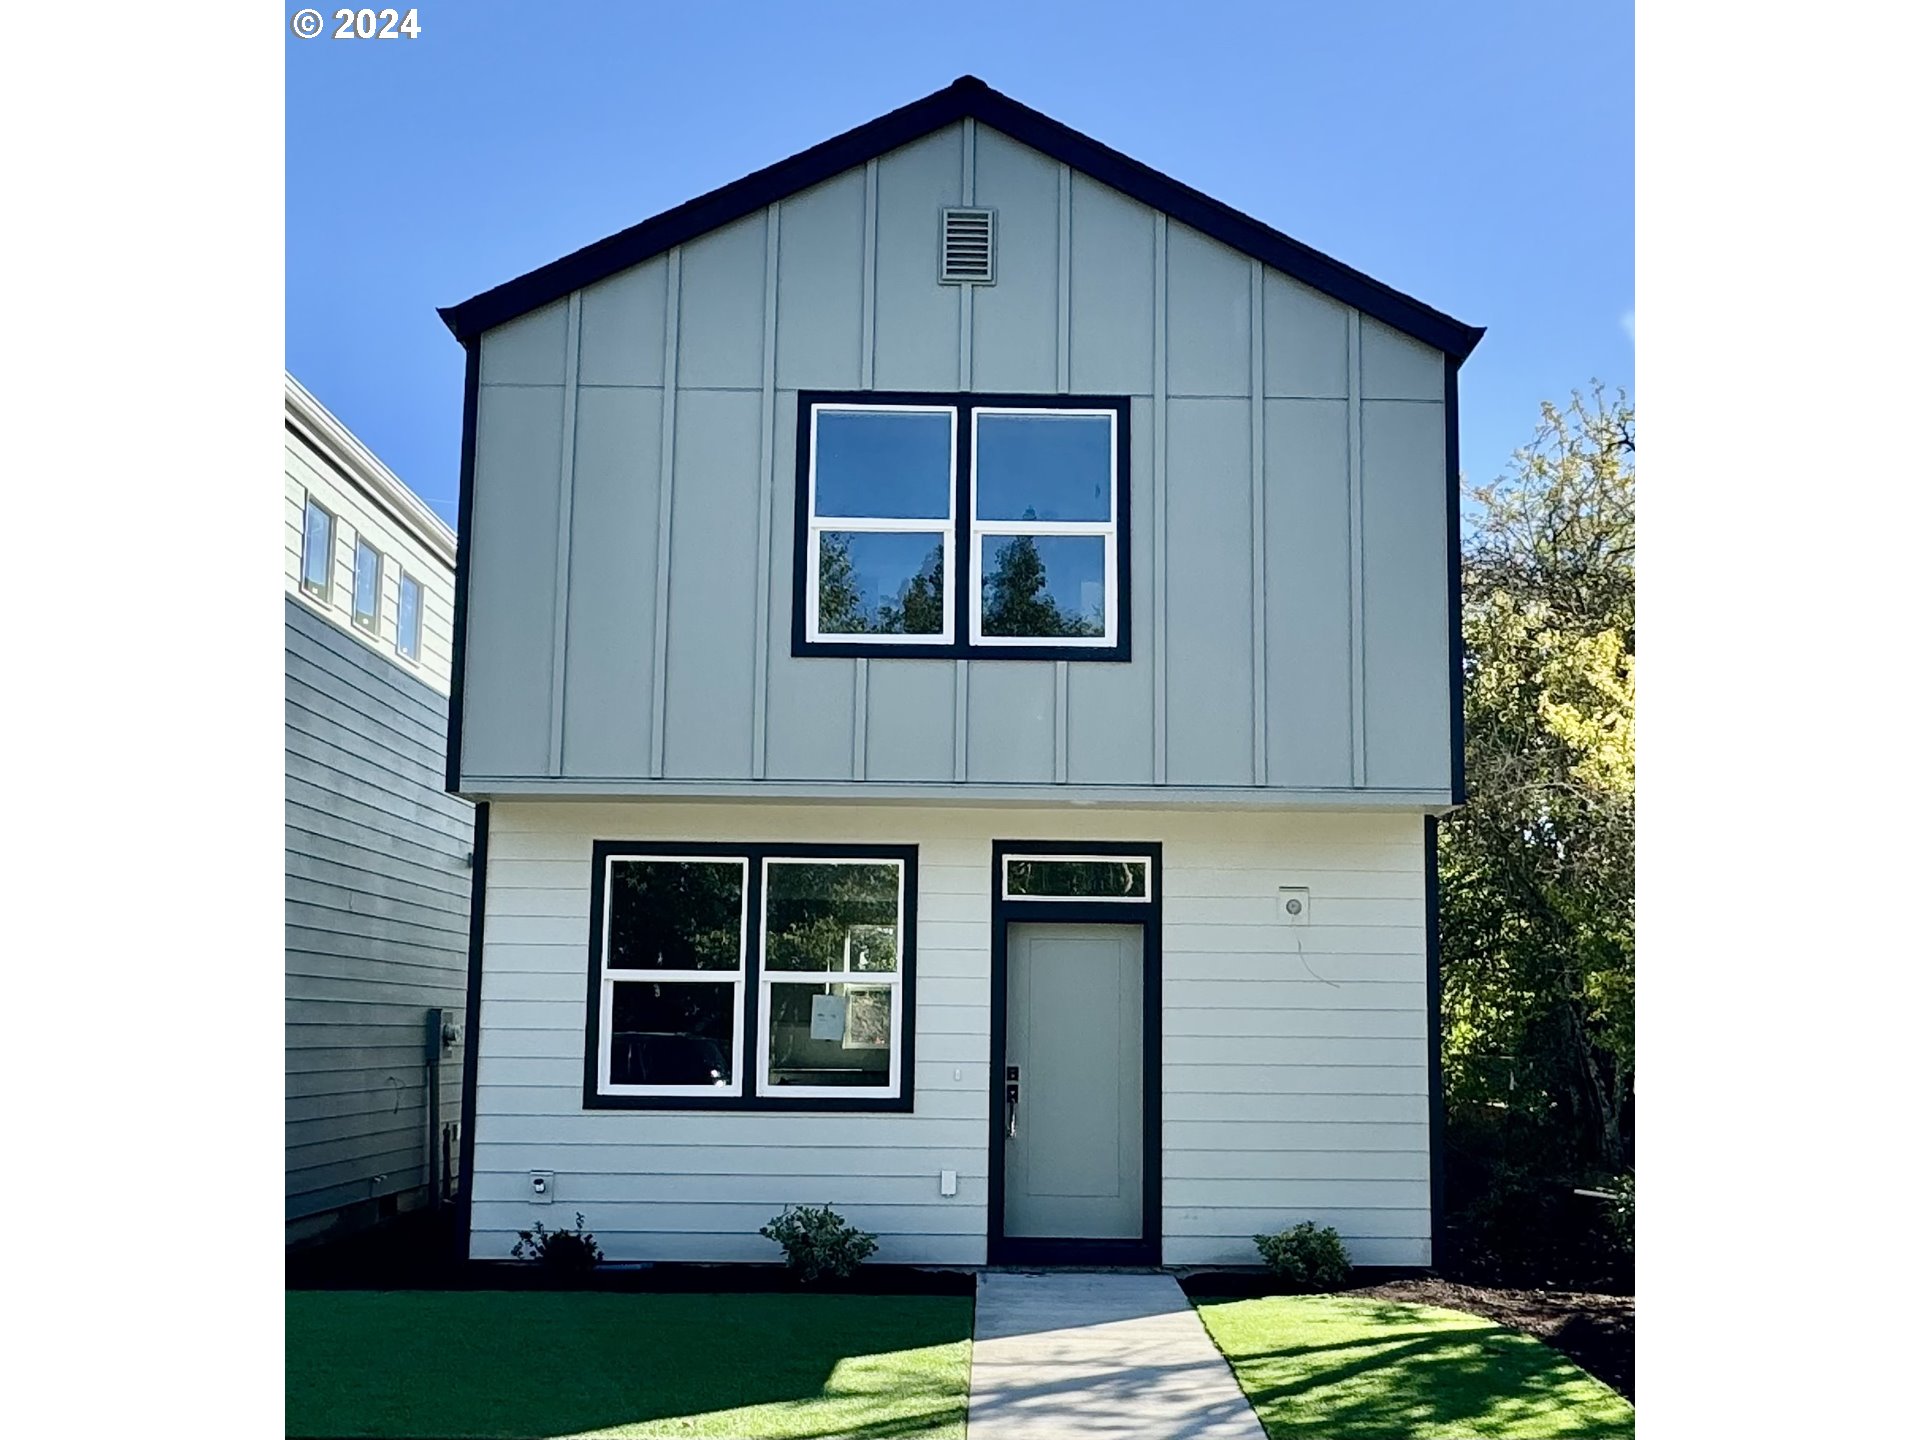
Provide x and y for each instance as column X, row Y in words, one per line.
column 322, row 589
column 406, row 640
column 368, row 621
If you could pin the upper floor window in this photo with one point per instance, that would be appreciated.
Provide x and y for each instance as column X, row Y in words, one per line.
column 316, row 552
column 962, row 525
column 366, row 586
column 407, row 633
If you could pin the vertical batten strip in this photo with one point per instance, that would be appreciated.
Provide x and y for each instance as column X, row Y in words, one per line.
column 663, row 528
column 962, row 603
column 1063, row 382
column 1257, row 375
column 563, row 540
column 1356, row 556
column 868, row 279
column 1159, row 498
column 860, row 718
column 763, row 581
column 869, row 284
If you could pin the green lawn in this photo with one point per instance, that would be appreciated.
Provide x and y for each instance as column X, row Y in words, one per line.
column 489, row 1364
column 1328, row 1367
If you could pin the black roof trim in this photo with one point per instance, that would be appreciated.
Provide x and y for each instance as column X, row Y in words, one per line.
column 967, row 96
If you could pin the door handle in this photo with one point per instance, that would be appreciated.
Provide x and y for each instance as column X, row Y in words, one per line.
column 1013, row 1102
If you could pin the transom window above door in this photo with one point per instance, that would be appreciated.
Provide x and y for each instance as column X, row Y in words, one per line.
column 951, row 525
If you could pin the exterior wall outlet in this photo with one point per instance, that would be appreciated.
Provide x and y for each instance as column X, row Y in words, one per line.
column 542, row 1185
column 949, row 1182
column 1293, row 905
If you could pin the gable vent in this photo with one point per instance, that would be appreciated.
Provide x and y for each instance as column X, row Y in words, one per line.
column 966, row 247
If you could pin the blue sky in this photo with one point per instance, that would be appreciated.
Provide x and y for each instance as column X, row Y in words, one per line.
column 1476, row 155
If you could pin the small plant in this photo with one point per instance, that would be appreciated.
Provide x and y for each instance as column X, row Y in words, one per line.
column 1621, row 1211
column 819, row 1242
column 568, row 1250
column 1309, row 1255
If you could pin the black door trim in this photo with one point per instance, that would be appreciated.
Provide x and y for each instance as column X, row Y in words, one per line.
column 1023, row 1250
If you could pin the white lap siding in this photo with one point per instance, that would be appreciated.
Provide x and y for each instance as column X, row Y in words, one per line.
column 1294, row 1072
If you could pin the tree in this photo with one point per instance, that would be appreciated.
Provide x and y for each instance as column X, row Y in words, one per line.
column 918, row 611
column 1537, row 899
column 842, row 612
column 1014, row 600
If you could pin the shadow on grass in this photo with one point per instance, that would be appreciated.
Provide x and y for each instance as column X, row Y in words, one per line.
column 492, row 1365
column 1337, row 1369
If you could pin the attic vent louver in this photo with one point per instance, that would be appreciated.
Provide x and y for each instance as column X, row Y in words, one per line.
column 966, row 247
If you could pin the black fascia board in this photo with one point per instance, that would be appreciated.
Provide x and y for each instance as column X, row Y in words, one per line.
column 964, row 98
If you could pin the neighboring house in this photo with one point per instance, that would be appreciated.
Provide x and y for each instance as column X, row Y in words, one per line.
column 378, row 855
column 958, row 653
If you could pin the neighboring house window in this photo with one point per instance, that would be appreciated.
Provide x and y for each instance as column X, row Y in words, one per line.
column 366, row 587
column 751, row 977
column 962, row 525
column 407, row 635
column 316, row 552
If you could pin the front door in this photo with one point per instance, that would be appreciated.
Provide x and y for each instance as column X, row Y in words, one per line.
column 1072, row 1085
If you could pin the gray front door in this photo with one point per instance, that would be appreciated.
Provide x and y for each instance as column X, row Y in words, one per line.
column 1073, row 1033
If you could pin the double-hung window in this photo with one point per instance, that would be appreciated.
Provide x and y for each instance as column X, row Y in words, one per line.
column 751, row 977
column 962, row 525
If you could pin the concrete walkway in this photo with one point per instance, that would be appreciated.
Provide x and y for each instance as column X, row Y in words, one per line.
column 1063, row 1355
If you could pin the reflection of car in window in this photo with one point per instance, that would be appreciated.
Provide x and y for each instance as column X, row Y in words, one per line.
column 645, row 1057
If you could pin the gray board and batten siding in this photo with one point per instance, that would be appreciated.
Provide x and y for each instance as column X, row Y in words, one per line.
column 629, row 566
column 377, row 897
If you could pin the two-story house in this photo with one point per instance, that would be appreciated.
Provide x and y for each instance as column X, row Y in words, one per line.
column 957, row 652
column 378, row 880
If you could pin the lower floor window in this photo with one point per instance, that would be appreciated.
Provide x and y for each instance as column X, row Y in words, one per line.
column 751, row 976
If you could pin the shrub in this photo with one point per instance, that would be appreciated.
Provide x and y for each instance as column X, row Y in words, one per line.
column 568, row 1250
column 1308, row 1255
column 819, row 1242
column 1621, row 1212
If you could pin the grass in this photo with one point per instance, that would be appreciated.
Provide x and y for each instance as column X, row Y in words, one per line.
column 477, row 1364
column 1329, row 1367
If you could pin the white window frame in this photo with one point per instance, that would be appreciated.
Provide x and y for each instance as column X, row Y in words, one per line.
column 880, row 525
column 609, row 977
column 324, row 592
column 370, row 627
column 419, row 619
column 1109, row 529
column 894, row 980
column 1144, row 861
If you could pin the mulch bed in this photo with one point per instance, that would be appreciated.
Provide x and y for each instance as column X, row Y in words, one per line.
column 1594, row 1331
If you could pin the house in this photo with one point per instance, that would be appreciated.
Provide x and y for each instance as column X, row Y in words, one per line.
column 957, row 658
column 378, row 877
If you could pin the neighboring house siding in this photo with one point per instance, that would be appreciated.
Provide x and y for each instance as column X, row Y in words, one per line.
column 377, row 906
column 632, row 515
column 356, row 514
column 1294, row 1073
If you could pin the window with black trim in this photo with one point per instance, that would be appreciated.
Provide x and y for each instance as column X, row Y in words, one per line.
column 751, row 977
column 950, row 525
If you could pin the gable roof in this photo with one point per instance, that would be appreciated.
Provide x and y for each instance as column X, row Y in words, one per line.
column 965, row 97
